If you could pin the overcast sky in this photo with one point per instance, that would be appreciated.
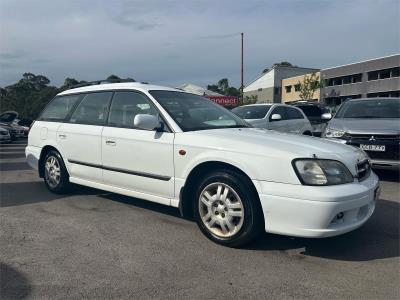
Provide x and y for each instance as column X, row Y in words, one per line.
column 182, row 41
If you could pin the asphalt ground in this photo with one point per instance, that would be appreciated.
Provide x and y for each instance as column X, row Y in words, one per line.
column 94, row 244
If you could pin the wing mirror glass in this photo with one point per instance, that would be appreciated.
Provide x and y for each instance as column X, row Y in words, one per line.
column 276, row 117
column 326, row 116
column 147, row 122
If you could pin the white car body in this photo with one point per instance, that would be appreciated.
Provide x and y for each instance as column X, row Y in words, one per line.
column 148, row 165
column 298, row 125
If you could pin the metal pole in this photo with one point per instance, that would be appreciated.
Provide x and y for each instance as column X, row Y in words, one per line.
column 241, row 73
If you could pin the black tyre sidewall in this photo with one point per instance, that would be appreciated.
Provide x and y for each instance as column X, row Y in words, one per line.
column 62, row 187
column 252, row 223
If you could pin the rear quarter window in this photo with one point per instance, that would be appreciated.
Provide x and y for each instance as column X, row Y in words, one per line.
column 59, row 108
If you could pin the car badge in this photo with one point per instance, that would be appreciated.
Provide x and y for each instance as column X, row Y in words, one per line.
column 372, row 139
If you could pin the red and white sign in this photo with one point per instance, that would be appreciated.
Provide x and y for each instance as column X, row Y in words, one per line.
column 224, row 100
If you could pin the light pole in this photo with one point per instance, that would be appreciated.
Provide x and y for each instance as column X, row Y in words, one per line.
column 241, row 74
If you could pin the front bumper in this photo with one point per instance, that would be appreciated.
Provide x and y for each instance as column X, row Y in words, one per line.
column 310, row 211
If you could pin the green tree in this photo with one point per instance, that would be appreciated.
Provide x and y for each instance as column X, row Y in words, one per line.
column 280, row 64
column 310, row 84
column 250, row 99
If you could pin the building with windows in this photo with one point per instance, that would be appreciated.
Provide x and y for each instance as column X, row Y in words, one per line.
column 291, row 88
column 377, row 77
column 268, row 87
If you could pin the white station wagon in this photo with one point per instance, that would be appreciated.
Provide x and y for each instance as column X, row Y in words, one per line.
column 171, row 147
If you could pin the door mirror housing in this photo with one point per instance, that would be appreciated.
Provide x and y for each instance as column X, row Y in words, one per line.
column 276, row 117
column 326, row 116
column 147, row 122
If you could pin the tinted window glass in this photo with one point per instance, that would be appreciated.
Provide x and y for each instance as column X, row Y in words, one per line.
column 251, row 112
column 311, row 110
column 279, row 110
column 93, row 109
column 293, row 114
column 192, row 112
column 126, row 105
column 370, row 109
column 59, row 107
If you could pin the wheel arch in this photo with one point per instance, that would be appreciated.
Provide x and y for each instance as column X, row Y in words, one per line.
column 203, row 168
column 46, row 149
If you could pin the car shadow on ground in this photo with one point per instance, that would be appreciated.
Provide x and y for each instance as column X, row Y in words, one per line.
column 377, row 239
column 20, row 193
column 13, row 284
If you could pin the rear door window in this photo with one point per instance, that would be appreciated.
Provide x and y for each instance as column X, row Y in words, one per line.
column 93, row 109
column 59, row 108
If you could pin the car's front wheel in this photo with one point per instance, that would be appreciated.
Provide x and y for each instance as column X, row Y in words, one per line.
column 55, row 173
column 227, row 209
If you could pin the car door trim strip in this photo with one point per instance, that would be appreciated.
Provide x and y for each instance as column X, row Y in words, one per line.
column 142, row 174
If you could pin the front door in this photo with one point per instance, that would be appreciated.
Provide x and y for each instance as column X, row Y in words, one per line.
column 135, row 159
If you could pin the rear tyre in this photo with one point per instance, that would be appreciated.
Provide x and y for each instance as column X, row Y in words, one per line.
column 226, row 208
column 309, row 133
column 56, row 176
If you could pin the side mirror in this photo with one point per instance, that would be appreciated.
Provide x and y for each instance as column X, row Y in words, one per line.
column 276, row 117
column 326, row 116
column 146, row 122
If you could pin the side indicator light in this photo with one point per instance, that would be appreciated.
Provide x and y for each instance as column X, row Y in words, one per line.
column 182, row 152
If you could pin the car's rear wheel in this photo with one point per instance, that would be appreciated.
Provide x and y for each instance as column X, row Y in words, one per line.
column 227, row 209
column 55, row 173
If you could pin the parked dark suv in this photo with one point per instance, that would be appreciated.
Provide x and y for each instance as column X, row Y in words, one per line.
column 317, row 114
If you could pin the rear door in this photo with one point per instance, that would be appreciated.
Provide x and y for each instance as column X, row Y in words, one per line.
column 80, row 137
column 135, row 159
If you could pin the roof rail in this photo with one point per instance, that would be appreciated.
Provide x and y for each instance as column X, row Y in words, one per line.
column 101, row 82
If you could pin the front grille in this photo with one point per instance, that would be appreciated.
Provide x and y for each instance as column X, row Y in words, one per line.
column 363, row 169
column 385, row 138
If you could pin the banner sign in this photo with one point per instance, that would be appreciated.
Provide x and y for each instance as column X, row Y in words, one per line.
column 224, row 100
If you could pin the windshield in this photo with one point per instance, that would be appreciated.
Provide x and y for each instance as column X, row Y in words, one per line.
column 251, row 112
column 377, row 108
column 8, row 117
column 192, row 112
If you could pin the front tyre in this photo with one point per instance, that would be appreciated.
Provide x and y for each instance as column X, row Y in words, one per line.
column 227, row 209
column 55, row 173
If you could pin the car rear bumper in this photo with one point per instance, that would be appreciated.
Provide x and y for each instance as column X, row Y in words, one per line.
column 304, row 211
column 387, row 164
column 32, row 156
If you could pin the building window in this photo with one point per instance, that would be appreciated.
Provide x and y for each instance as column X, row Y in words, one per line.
column 357, row 77
column 396, row 72
column 395, row 94
column 288, row 88
column 374, row 75
column 297, row 88
column 384, row 74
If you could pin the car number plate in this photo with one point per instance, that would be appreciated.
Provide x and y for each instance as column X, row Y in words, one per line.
column 373, row 147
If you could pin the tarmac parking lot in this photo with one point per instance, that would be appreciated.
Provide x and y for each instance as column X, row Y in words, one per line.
column 94, row 244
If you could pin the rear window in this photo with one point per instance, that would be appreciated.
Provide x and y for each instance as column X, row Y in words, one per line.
column 59, row 108
column 251, row 112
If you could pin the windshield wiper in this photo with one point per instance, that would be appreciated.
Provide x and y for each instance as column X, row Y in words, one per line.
column 366, row 117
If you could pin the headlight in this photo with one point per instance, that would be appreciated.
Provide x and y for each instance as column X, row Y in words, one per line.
column 334, row 133
column 321, row 172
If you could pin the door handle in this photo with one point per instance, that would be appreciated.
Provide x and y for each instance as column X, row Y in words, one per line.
column 110, row 142
column 62, row 136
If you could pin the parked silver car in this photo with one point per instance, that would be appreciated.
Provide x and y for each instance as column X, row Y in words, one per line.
column 279, row 117
column 373, row 124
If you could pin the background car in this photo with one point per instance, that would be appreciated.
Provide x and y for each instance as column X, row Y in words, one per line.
column 7, row 121
column 317, row 114
column 279, row 117
column 373, row 124
column 4, row 135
